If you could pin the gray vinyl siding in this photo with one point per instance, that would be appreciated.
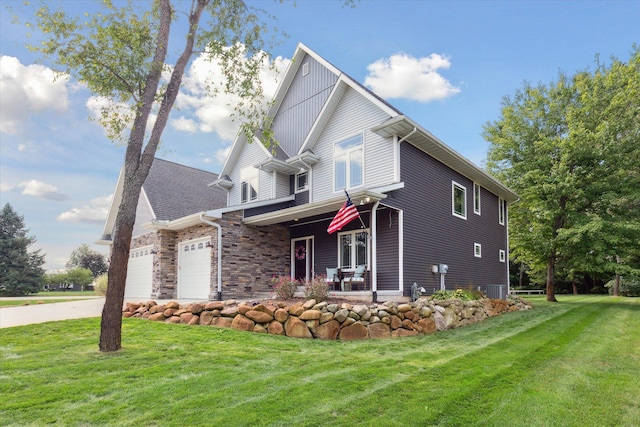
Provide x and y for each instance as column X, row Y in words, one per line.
column 283, row 187
column 250, row 155
column 354, row 114
column 302, row 104
column 432, row 235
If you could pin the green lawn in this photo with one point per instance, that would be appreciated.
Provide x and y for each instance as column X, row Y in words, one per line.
column 575, row 363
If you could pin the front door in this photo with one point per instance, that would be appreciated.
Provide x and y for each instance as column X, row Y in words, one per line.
column 302, row 258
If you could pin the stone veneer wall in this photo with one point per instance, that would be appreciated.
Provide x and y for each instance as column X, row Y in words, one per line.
column 330, row 321
column 251, row 256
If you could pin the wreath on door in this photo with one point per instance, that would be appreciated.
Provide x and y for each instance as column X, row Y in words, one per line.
column 301, row 252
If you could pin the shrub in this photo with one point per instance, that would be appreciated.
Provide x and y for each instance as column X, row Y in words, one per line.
column 458, row 293
column 628, row 287
column 284, row 286
column 100, row 286
column 317, row 289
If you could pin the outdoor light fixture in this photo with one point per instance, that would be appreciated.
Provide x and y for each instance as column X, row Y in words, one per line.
column 208, row 245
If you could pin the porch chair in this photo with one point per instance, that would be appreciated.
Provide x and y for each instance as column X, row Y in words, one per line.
column 353, row 281
column 333, row 279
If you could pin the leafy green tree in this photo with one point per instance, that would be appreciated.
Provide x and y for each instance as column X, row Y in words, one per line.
column 21, row 271
column 570, row 150
column 122, row 54
column 58, row 280
column 85, row 257
column 80, row 277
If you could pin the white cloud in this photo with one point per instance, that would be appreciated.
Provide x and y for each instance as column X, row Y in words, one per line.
column 41, row 190
column 207, row 110
column 403, row 76
column 221, row 154
column 5, row 186
column 95, row 212
column 28, row 89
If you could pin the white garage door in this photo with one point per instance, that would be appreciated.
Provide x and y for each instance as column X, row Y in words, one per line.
column 194, row 269
column 139, row 274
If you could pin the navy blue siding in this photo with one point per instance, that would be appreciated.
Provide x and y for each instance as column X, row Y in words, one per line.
column 432, row 235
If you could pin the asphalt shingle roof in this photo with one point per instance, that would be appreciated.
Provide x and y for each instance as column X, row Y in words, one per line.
column 175, row 191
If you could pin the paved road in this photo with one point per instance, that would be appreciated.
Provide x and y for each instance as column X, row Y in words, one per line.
column 29, row 314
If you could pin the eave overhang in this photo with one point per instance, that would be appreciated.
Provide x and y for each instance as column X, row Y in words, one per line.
column 276, row 165
column 304, row 160
column 312, row 209
column 223, row 182
column 402, row 126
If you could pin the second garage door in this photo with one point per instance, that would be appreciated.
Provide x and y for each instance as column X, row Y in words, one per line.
column 194, row 270
column 139, row 274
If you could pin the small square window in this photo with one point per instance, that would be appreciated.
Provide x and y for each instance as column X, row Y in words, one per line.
column 302, row 181
column 503, row 255
column 477, row 250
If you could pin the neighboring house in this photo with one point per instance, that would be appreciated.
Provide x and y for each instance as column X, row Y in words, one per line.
column 421, row 203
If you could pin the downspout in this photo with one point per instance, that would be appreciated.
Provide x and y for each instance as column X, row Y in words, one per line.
column 404, row 138
column 216, row 225
column 374, row 251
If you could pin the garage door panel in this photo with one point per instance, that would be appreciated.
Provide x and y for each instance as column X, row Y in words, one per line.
column 194, row 270
column 139, row 274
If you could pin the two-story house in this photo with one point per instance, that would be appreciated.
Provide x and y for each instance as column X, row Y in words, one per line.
column 421, row 204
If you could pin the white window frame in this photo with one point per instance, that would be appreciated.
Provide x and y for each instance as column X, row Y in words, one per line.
column 249, row 180
column 297, row 188
column 477, row 250
column 348, row 155
column 476, row 199
column 455, row 185
column 353, row 254
column 501, row 211
column 502, row 255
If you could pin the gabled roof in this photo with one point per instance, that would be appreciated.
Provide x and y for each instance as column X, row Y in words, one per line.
column 175, row 191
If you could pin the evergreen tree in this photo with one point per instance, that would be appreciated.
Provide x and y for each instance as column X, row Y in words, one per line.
column 21, row 271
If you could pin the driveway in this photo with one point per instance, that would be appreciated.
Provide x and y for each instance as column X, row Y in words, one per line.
column 29, row 314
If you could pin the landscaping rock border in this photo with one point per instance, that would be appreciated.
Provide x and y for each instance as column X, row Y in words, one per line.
column 330, row 321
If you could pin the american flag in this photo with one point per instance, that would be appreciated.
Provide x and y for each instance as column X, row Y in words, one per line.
column 345, row 215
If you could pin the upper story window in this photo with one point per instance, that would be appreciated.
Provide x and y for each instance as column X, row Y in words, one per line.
column 502, row 207
column 476, row 198
column 248, row 185
column 353, row 249
column 302, row 181
column 459, row 200
column 347, row 162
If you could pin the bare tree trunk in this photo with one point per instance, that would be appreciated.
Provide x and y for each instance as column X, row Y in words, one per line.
column 551, row 269
column 616, row 283
column 575, row 287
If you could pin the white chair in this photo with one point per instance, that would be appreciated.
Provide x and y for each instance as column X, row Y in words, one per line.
column 353, row 281
column 333, row 279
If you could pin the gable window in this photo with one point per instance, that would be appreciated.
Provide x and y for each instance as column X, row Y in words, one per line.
column 476, row 198
column 302, row 181
column 347, row 163
column 501, row 211
column 459, row 200
column 477, row 250
column 353, row 249
column 502, row 255
column 249, row 190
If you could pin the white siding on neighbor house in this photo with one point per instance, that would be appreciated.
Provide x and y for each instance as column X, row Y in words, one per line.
column 354, row 114
column 302, row 104
column 250, row 155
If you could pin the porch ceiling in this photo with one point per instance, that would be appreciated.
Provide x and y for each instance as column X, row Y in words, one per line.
column 311, row 209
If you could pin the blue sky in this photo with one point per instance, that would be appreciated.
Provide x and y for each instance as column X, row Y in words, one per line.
column 445, row 64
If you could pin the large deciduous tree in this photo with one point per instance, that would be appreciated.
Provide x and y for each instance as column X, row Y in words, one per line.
column 85, row 257
column 21, row 271
column 122, row 54
column 571, row 150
